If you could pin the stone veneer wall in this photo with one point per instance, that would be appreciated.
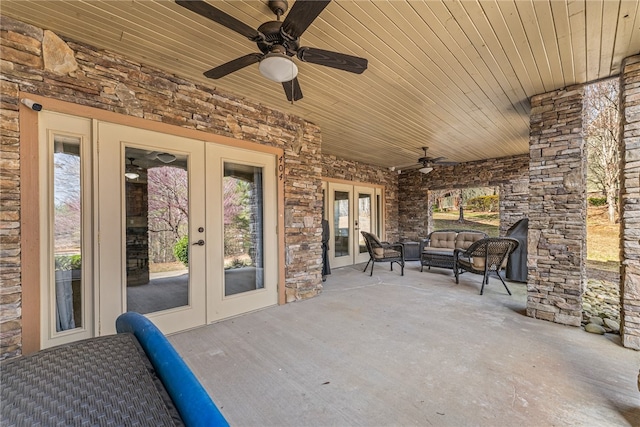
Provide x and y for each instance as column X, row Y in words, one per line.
column 349, row 170
column 509, row 173
column 630, row 203
column 557, row 207
column 39, row 62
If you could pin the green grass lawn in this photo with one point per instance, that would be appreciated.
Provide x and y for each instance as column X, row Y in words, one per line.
column 602, row 237
column 488, row 222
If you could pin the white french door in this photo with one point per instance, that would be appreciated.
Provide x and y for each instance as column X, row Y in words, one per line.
column 181, row 230
column 132, row 184
column 229, row 209
column 350, row 210
column 240, row 279
column 67, row 238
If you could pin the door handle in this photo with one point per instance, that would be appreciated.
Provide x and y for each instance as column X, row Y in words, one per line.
column 199, row 243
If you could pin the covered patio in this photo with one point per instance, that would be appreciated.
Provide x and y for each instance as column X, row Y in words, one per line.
column 411, row 350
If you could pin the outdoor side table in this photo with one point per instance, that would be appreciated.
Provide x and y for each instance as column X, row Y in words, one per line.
column 411, row 251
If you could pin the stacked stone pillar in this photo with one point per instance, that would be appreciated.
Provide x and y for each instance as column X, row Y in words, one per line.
column 630, row 203
column 557, row 207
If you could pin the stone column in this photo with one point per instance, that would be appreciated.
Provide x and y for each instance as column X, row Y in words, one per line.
column 413, row 208
column 557, row 207
column 630, row 203
column 514, row 203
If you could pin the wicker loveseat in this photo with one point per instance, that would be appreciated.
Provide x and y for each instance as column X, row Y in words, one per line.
column 437, row 249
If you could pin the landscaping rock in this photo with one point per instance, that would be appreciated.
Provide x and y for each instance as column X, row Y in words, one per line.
column 596, row 321
column 613, row 325
column 594, row 329
column 601, row 306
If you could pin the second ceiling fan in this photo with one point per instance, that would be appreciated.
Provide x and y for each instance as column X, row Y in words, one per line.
column 425, row 163
column 278, row 41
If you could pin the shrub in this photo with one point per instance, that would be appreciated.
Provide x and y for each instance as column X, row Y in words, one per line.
column 181, row 250
column 597, row 201
column 68, row 262
column 484, row 203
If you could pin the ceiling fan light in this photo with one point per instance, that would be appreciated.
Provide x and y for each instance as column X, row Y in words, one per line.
column 165, row 157
column 426, row 169
column 278, row 67
column 132, row 175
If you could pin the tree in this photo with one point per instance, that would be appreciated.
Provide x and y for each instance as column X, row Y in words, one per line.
column 168, row 198
column 67, row 202
column 601, row 130
column 237, row 213
column 234, row 195
column 461, row 207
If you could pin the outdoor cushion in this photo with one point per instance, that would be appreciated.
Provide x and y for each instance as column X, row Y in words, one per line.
column 478, row 262
column 429, row 249
column 443, row 239
column 386, row 253
column 466, row 238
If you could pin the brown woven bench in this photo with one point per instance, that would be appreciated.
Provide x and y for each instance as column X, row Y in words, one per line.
column 100, row 381
column 133, row 378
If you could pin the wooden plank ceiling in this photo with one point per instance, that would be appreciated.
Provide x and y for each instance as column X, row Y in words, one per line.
column 455, row 76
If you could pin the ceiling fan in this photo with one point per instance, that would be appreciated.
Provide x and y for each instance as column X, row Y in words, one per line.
column 278, row 41
column 425, row 163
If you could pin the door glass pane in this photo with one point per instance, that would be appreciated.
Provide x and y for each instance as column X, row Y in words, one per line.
column 341, row 223
column 243, row 228
column 67, row 232
column 157, row 228
column 364, row 219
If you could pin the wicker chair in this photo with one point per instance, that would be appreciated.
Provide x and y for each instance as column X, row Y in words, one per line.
column 484, row 257
column 383, row 252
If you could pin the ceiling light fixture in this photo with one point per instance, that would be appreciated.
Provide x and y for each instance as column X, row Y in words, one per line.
column 277, row 66
column 426, row 169
column 129, row 170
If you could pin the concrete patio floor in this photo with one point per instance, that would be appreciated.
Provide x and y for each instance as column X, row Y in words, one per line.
column 417, row 350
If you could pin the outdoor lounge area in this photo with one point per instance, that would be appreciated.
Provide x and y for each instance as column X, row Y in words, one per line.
column 411, row 350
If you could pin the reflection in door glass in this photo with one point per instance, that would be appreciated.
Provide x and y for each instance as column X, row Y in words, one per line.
column 341, row 223
column 378, row 216
column 67, row 232
column 364, row 219
column 243, row 228
column 157, row 225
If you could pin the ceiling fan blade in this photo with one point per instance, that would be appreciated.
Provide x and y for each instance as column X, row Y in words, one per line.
column 408, row 167
column 430, row 159
column 446, row 163
column 205, row 9
column 292, row 90
column 301, row 15
column 341, row 61
column 231, row 66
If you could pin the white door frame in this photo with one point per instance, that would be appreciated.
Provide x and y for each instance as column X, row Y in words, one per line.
column 360, row 252
column 353, row 228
